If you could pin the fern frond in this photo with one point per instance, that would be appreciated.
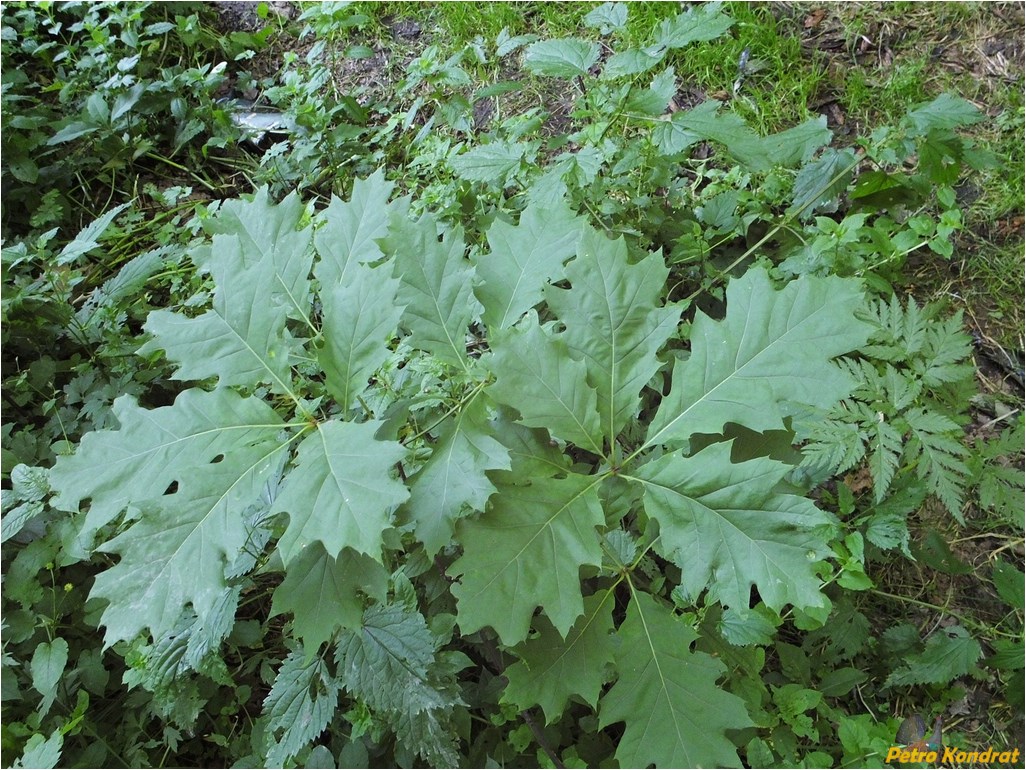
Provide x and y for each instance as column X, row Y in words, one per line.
column 946, row 353
column 940, row 457
column 885, row 445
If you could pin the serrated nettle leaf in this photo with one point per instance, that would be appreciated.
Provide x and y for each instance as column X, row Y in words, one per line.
column 658, row 692
column 386, row 661
column 798, row 144
column 946, row 112
column 155, row 447
column 633, row 61
column 526, row 552
column 176, row 553
column 822, row 180
column 359, row 316
column 563, row 58
column 656, row 98
column 522, row 259
column 728, row 528
column 491, row 163
column 552, row 669
column 42, row 752
column 436, row 287
column 704, row 22
column 537, row 375
column 453, row 481
column 607, row 17
column 351, row 228
column 614, row 322
column 769, row 358
column 1009, row 583
column 341, row 492
column 241, row 340
column 301, row 703
column 326, row 594
column 949, row 653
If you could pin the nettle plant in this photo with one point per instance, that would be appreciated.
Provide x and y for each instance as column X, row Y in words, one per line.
column 455, row 464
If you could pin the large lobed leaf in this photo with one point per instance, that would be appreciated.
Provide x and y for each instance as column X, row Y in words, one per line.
column 359, row 317
column 675, row 714
column 325, row 593
column 176, row 554
column 536, row 374
column 728, row 528
column 261, row 265
column 614, row 322
column 155, row 447
column 768, row 359
column 341, row 492
column 521, row 260
column 453, row 481
column 526, row 552
column 552, row 669
column 436, row 287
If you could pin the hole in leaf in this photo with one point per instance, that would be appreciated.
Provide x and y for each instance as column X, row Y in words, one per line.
column 171, row 488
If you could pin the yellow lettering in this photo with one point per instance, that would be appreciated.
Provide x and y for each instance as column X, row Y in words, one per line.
column 1004, row 757
column 931, row 757
column 1015, row 756
column 949, row 754
column 892, row 753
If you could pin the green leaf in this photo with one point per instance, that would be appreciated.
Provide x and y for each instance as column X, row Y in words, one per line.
column 945, row 112
column 536, row 374
column 797, row 144
column 841, row 681
column 176, row 553
column 351, row 228
column 453, row 481
column 436, row 288
column 822, row 180
column 728, row 528
column 271, row 236
column 704, row 22
column 607, row 17
column 385, row 661
column 341, row 492
column 940, row 457
column 241, row 340
column 88, row 239
column 490, row 163
column 949, row 653
column 633, row 61
column 301, row 703
column 47, row 668
column 614, row 322
column 562, row 58
column 658, row 693
column 743, row 626
column 322, row 592
column 768, row 359
column 522, row 259
column 359, row 317
column 655, row 99
column 885, row 446
column 42, row 752
column 526, row 552
column 156, row 447
column 552, row 670
column 1009, row 583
